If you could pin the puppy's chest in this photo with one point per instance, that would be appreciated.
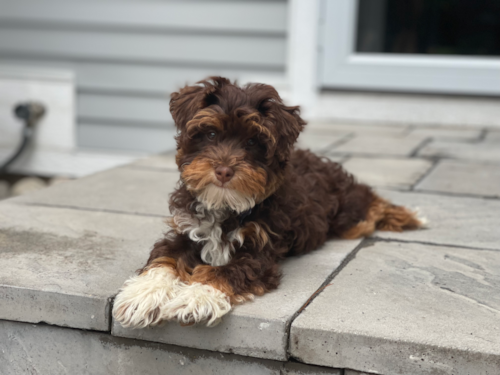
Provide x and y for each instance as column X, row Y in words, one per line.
column 211, row 230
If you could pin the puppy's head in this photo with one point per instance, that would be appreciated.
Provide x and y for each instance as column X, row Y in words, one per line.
column 233, row 142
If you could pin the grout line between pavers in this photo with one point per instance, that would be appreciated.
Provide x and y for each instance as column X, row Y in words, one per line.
column 440, row 193
column 481, row 138
column 482, row 135
column 420, row 146
column 424, row 175
column 343, row 140
column 77, row 208
column 457, row 195
column 382, row 239
column 365, row 242
column 375, row 155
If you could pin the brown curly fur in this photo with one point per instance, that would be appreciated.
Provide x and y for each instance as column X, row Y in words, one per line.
column 301, row 199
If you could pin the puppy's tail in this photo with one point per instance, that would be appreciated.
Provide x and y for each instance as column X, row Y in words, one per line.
column 383, row 215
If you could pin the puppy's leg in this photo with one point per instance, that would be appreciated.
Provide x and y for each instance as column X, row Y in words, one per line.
column 383, row 215
column 214, row 290
column 166, row 289
column 143, row 299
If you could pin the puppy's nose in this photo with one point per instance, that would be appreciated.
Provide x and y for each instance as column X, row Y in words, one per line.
column 223, row 173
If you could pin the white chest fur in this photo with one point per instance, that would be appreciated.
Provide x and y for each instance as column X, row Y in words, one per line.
column 205, row 227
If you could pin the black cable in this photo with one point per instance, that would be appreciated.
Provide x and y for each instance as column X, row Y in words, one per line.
column 30, row 113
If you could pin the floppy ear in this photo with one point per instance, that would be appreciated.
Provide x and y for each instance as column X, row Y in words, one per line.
column 190, row 99
column 290, row 124
column 284, row 121
column 185, row 103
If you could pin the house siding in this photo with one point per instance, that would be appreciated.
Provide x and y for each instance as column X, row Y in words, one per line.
column 128, row 56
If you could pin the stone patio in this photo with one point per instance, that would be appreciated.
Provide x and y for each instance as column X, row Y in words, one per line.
column 424, row 302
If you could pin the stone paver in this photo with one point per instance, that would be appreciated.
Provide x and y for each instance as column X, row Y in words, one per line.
column 456, row 177
column 294, row 368
column 384, row 172
column 446, row 133
column 417, row 302
column 493, row 136
column 259, row 328
column 318, row 142
column 407, row 309
column 379, row 145
column 41, row 349
column 132, row 190
column 4, row 190
column 478, row 151
column 63, row 266
column 459, row 221
column 354, row 372
column 326, row 127
column 160, row 161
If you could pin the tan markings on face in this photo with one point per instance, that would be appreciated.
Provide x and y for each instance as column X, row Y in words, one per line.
column 198, row 174
column 203, row 119
column 249, row 181
column 253, row 121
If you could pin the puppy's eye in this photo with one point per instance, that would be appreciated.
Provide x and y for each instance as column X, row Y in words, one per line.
column 211, row 135
column 251, row 142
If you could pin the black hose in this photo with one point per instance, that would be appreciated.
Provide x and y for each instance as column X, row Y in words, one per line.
column 30, row 113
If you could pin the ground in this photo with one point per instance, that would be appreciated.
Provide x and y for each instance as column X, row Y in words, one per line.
column 421, row 302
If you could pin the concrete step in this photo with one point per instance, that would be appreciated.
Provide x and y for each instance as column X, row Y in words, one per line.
column 48, row 350
column 423, row 302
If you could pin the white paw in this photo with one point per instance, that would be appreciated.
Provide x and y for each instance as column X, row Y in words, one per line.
column 198, row 303
column 142, row 299
column 424, row 222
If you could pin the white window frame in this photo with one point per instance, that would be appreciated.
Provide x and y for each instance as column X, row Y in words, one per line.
column 341, row 67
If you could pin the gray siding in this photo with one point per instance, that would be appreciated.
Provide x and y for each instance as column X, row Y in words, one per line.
column 129, row 55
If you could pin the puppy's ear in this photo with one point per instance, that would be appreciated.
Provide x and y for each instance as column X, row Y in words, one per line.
column 190, row 99
column 290, row 123
column 185, row 103
column 284, row 121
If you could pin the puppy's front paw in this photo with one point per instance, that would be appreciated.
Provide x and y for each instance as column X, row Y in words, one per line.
column 198, row 303
column 142, row 299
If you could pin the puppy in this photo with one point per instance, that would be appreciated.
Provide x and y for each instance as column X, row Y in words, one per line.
column 246, row 200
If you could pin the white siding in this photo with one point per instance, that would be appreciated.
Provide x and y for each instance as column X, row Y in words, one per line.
column 128, row 56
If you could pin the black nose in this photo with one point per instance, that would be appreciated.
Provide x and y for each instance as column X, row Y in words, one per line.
column 224, row 174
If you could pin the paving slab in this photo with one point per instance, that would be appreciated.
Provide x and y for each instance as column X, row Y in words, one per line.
column 458, row 177
column 63, row 266
column 457, row 221
column 406, row 309
column 137, row 191
column 379, row 145
column 159, row 161
column 388, row 172
column 259, row 328
column 476, row 151
column 447, row 133
column 318, row 143
column 493, row 136
column 41, row 349
column 4, row 190
column 294, row 368
column 344, row 129
column 354, row 372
